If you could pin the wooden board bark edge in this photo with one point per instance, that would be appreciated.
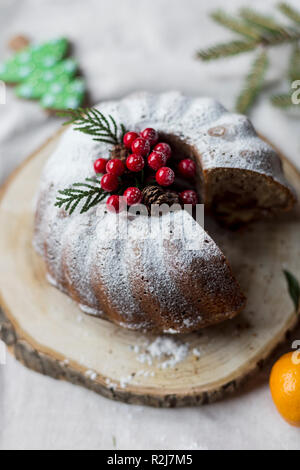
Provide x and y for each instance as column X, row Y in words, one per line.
column 45, row 364
column 25, row 351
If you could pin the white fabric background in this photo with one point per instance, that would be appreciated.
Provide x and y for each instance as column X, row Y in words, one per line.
column 127, row 45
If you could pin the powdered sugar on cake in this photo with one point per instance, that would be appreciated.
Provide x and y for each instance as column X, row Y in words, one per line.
column 128, row 271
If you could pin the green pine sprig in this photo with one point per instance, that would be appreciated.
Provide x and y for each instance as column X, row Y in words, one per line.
column 236, row 25
column 258, row 31
column 91, row 121
column 294, row 68
column 226, row 49
column 290, row 12
column 264, row 23
column 294, row 288
column 284, row 100
column 253, row 83
column 87, row 193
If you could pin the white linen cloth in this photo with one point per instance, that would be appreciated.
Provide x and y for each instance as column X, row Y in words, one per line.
column 123, row 46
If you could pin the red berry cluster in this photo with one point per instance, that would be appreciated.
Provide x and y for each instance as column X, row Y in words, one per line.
column 146, row 152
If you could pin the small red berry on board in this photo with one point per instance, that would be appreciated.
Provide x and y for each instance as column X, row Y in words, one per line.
column 133, row 196
column 151, row 135
column 187, row 168
column 115, row 167
column 100, row 165
column 164, row 148
column 140, row 147
column 129, row 138
column 156, row 160
column 135, row 163
column 165, row 176
column 109, row 182
column 189, row 196
column 115, row 204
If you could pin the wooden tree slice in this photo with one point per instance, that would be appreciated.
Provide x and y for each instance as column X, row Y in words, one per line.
column 46, row 331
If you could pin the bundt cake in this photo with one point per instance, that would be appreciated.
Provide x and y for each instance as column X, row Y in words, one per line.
column 161, row 284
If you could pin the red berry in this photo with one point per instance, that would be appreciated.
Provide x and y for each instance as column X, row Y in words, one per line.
column 151, row 135
column 189, row 197
column 156, row 160
column 135, row 163
column 115, row 204
column 187, row 168
column 140, row 147
column 100, row 165
column 109, row 182
column 115, row 167
column 133, row 196
column 165, row 176
column 129, row 138
column 164, row 148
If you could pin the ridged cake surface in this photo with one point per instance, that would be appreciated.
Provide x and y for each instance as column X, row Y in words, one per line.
column 152, row 284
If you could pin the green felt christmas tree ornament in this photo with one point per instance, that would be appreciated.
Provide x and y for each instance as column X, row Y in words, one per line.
column 42, row 72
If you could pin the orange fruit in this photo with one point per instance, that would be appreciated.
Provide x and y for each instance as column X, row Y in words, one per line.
column 285, row 387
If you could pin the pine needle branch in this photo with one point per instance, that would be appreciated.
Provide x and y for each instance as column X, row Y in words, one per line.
column 226, row 49
column 91, row 121
column 283, row 100
column 290, row 12
column 236, row 25
column 253, row 84
column 266, row 23
column 259, row 31
column 269, row 33
column 294, row 68
column 275, row 39
column 293, row 288
column 88, row 194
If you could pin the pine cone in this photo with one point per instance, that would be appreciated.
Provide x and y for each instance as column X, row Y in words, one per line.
column 120, row 151
column 169, row 197
column 157, row 195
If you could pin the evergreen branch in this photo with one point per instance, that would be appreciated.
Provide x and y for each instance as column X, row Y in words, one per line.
column 283, row 100
column 294, row 68
column 253, row 83
column 115, row 126
column 266, row 23
column 236, row 25
column 290, row 12
column 71, row 197
column 276, row 39
column 123, row 131
column 91, row 121
column 259, row 31
column 238, row 47
column 293, row 288
column 226, row 49
column 93, row 180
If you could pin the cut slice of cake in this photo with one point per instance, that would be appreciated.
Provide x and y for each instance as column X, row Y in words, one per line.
column 153, row 283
